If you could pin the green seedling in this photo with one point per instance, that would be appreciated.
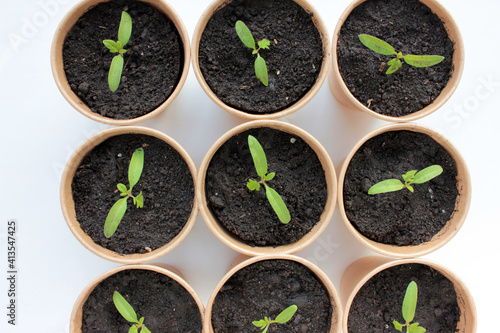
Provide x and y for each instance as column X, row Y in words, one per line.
column 379, row 46
column 260, row 162
column 116, row 213
column 409, row 307
column 246, row 37
column 128, row 312
column 116, row 68
column 282, row 318
column 411, row 177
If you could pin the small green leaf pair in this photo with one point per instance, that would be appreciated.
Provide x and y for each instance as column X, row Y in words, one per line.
column 411, row 177
column 409, row 308
column 116, row 68
column 246, row 37
column 282, row 318
column 128, row 312
column 118, row 210
column 379, row 46
column 260, row 162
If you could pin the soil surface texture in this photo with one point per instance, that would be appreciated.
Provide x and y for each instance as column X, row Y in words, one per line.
column 166, row 184
column 411, row 28
column 293, row 58
column 266, row 288
column 300, row 181
column 165, row 305
column 401, row 217
column 380, row 300
column 153, row 61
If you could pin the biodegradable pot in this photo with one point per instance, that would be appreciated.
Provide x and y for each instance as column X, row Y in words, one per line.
column 301, row 102
column 242, row 262
column 362, row 270
column 461, row 206
column 238, row 244
column 344, row 95
column 68, row 203
column 174, row 274
column 59, row 74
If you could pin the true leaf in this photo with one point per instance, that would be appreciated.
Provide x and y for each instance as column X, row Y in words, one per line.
column 122, row 188
column 264, row 44
column 270, row 176
column 377, row 45
column 258, row 156
column 397, row 326
column 427, row 174
column 135, row 167
column 410, row 188
column 141, row 321
column 245, row 34
column 389, row 185
column 423, row 60
column 253, row 185
column 139, row 200
column 286, row 314
column 111, row 45
column 259, row 323
column 278, row 205
column 115, row 72
column 410, row 302
column 133, row 329
column 394, row 66
column 114, row 217
column 409, row 175
column 124, row 308
column 261, row 70
column 416, row 329
column 125, row 29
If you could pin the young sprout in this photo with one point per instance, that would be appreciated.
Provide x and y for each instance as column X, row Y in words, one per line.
column 116, row 68
column 409, row 307
column 116, row 213
column 127, row 312
column 411, row 177
column 282, row 318
column 379, row 46
column 260, row 162
column 247, row 38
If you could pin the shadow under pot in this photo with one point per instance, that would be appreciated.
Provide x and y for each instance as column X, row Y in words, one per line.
column 398, row 217
column 294, row 57
column 273, row 286
column 156, row 293
column 374, row 289
column 124, row 209
column 241, row 205
column 150, row 65
column 402, row 76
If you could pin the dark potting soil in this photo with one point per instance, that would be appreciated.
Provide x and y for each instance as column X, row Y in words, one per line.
column 300, row 181
column 293, row 60
column 401, row 217
column 153, row 62
column 166, row 184
column 379, row 301
column 266, row 288
column 165, row 304
column 410, row 27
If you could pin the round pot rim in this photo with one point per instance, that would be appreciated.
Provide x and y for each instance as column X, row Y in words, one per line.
column 323, row 31
column 67, row 203
column 56, row 60
column 171, row 272
column 458, row 65
column 461, row 206
column 239, row 245
column 242, row 261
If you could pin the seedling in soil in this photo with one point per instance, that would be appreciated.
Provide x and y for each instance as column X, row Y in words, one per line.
column 116, row 68
column 247, row 38
column 379, row 46
column 116, row 213
column 409, row 307
column 411, row 177
column 260, row 162
column 282, row 318
column 128, row 312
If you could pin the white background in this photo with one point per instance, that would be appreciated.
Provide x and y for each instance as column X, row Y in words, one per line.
column 39, row 131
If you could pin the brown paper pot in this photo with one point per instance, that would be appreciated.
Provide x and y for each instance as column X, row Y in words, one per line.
column 225, row 236
column 68, row 205
column 345, row 97
column 461, row 206
column 77, row 313
column 362, row 270
column 242, row 261
column 56, row 59
column 200, row 27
